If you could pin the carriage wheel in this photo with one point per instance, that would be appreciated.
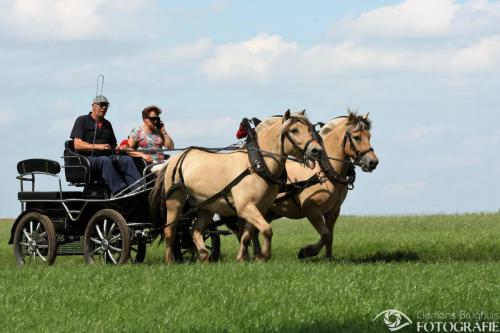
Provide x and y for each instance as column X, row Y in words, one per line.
column 35, row 240
column 187, row 252
column 106, row 239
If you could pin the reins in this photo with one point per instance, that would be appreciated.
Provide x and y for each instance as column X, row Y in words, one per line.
column 257, row 165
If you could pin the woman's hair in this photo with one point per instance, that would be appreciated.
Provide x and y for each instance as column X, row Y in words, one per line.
column 147, row 110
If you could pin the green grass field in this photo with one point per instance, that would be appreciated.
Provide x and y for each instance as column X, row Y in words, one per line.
column 410, row 263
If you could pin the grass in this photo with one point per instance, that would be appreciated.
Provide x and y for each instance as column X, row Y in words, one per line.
column 435, row 264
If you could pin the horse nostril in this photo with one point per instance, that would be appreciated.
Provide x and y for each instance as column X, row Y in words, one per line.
column 316, row 151
column 373, row 163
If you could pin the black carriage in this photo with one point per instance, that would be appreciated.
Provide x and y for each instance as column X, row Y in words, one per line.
column 105, row 228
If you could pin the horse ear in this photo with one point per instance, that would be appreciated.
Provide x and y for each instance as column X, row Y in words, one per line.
column 303, row 112
column 286, row 125
column 366, row 115
column 286, row 116
column 351, row 117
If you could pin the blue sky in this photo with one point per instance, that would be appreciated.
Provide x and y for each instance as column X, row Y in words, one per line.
column 428, row 71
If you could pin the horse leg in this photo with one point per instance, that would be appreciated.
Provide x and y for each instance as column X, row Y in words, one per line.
column 257, row 251
column 317, row 220
column 244, row 238
column 253, row 236
column 203, row 220
column 252, row 215
column 174, row 205
column 330, row 219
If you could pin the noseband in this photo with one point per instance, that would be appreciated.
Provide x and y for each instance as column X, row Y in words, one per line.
column 358, row 154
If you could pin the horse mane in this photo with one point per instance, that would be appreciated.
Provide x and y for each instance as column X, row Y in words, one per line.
column 272, row 120
column 357, row 122
column 331, row 125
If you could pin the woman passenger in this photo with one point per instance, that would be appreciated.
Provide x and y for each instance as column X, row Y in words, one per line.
column 150, row 135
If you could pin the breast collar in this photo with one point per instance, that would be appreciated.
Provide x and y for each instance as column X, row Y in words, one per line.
column 257, row 162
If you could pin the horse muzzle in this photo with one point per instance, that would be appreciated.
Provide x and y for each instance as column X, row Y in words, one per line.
column 312, row 153
column 368, row 163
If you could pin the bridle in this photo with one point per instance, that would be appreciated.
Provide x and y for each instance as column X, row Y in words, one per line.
column 295, row 144
column 358, row 155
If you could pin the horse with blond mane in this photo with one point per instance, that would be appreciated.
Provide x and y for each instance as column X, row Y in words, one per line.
column 229, row 183
column 346, row 142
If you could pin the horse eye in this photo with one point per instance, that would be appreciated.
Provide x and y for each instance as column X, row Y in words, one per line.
column 357, row 138
column 294, row 130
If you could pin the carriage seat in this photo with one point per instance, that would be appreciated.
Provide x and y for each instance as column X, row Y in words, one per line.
column 54, row 195
column 33, row 166
column 77, row 167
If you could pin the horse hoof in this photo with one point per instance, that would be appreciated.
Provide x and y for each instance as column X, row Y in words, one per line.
column 242, row 258
column 302, row 253
column 259, row 258
column 203, row 256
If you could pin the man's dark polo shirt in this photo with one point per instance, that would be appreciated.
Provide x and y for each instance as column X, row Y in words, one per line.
column 85, row 126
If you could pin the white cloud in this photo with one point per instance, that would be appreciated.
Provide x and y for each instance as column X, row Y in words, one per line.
column 254, row 59
column 202, row 128
column 409, row 18
column 73, row 20
column 403, row 190
column 481, row 56
column 63, row 105
column 421, row 133
column 267, row 57
column 430, row 19
column 6, row 117
column 183, row 53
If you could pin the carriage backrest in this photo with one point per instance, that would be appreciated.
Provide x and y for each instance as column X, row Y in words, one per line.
column 76, row 166
column 38, row 165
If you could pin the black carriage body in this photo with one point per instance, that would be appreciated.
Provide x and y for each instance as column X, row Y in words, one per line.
column 69, row 220
column 63, row 212
column 71, row 211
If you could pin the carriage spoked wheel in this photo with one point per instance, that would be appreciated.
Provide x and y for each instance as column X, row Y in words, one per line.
column 106, row 239
column 185, row 251
column 35, row 240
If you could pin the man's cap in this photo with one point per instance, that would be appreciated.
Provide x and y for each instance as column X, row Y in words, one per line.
column 100, row 99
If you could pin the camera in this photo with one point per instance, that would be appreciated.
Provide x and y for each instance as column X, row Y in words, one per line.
column 158, row 123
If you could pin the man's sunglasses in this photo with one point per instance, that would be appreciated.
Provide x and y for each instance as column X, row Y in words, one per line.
column 103, row 104
column 154, row 119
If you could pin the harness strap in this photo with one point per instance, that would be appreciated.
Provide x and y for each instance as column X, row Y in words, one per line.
column 224, row 193
column 301, row 185
column 257, row 163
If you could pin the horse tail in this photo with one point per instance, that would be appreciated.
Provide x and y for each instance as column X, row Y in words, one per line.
column 157, row 200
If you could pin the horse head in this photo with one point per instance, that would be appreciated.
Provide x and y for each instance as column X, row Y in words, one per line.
column 297, row 138
column 356, row 142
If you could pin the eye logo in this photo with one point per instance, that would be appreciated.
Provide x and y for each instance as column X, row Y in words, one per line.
column 393, row 319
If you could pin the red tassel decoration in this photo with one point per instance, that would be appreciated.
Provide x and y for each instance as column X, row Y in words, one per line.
column 242, row 132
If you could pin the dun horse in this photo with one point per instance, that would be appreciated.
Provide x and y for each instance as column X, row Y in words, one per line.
column 345, row 139
column 228, row 184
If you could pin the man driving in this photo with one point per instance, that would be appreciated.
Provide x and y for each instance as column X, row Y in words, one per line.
column 94, row 136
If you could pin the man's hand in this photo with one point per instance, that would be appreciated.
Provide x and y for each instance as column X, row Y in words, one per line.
column 148, row 158
column 103, row 146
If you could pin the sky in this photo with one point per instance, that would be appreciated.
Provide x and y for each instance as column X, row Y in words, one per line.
column 427, row 71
